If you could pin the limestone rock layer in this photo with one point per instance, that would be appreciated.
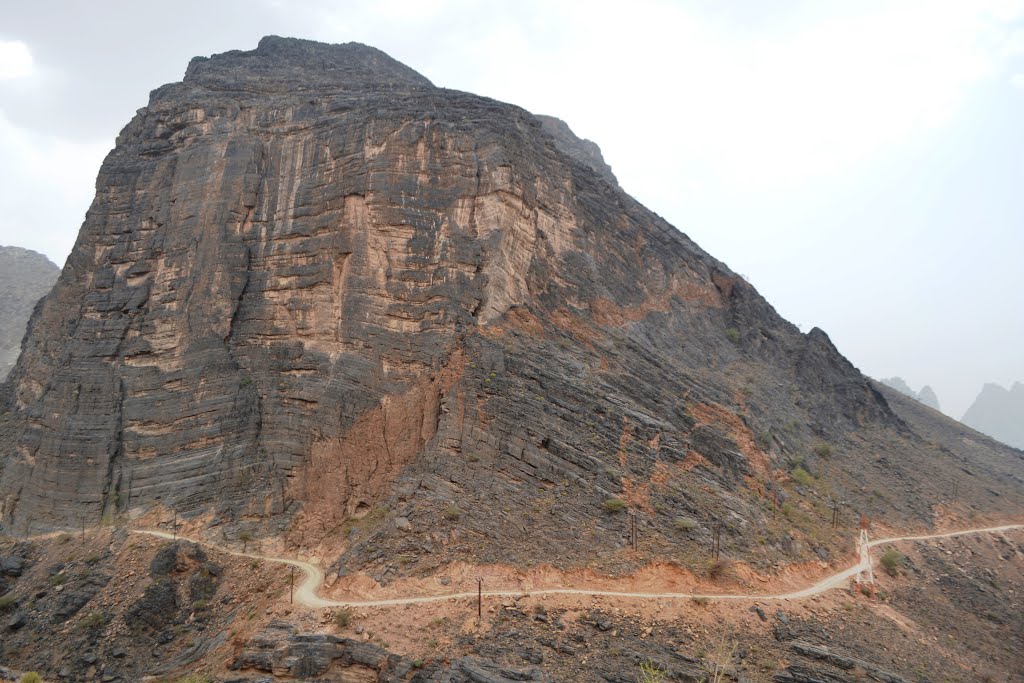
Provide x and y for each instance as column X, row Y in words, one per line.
column 312, row 285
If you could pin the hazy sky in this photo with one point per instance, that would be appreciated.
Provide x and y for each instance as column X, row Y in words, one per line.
column 860, row 162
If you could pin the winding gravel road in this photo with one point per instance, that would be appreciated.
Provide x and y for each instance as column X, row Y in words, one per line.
column 306, row 591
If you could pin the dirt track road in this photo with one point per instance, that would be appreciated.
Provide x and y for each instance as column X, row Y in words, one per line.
column 313, row 578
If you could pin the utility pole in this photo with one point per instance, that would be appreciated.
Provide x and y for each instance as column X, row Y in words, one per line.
column 633, row 530
column 175, row 527
column 479, row 599
column 716, row 540
column 291, row 589
column 836, row 506
column 83, row 529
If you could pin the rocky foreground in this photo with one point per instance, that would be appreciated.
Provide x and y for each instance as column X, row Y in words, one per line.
column 120, row 607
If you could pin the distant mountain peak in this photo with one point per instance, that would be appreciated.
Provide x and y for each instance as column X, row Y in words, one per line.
column 927, row 395
column 999, row 412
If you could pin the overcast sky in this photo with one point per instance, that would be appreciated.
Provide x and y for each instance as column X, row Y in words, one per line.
column 859, row 162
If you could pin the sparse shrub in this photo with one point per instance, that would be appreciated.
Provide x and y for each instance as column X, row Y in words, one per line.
column 7, row 601
column 892, row 560
column 650, row 673
column 58, row 579
column 823, row 450
column 801, row 476
column 92, row 559
column 700, row 600
column 719, row 569
column 764, row 440
column 343, row 617
column 451, row 512
column 199, row 605
column 245, row 537
column 96, row 620
column 194, row 678
column 31, row 677
column 614, row 505
column 733, row 334
column 685, row 524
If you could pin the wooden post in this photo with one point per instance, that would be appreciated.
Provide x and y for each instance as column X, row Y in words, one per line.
column 633, row 530
column 479, row 599
column 291, row 590
column 83, row 529
column 175, row 527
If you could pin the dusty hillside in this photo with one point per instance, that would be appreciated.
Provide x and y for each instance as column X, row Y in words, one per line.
column 120, row 606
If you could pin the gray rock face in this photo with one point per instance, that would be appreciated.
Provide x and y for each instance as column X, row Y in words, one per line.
column 999, row 413
column 315, row 290
column 25, row 277
column 584, row 151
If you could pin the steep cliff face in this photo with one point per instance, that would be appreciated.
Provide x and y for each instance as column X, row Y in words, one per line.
column 25, row 276
column 314, row 289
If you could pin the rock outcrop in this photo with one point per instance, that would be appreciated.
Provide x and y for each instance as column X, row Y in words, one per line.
column 25, row 277
column 317, row 291
column 999, row 413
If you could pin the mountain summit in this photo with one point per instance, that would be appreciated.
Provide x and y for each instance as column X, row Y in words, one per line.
column 316, row 291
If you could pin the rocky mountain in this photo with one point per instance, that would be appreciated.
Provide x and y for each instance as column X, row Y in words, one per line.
column 999, row 413
column 25, row 277
column 926, row 396
column 322, row 305
column 313, row 288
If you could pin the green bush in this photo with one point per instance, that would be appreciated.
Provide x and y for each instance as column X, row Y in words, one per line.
column 96, row 620
column 801, row 476
column 343, row 617
column 452, row 512
column 733, row 334
column 31, row 677
column 685, row 524
column 650, row 673
column 892, row 560
column 823, row 450
column 614, row 505
column 7, row 601
column 194, row 678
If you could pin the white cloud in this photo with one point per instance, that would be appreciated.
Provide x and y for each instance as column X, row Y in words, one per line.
column 15, row 60
column 1017, row 80
column 43, row 196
